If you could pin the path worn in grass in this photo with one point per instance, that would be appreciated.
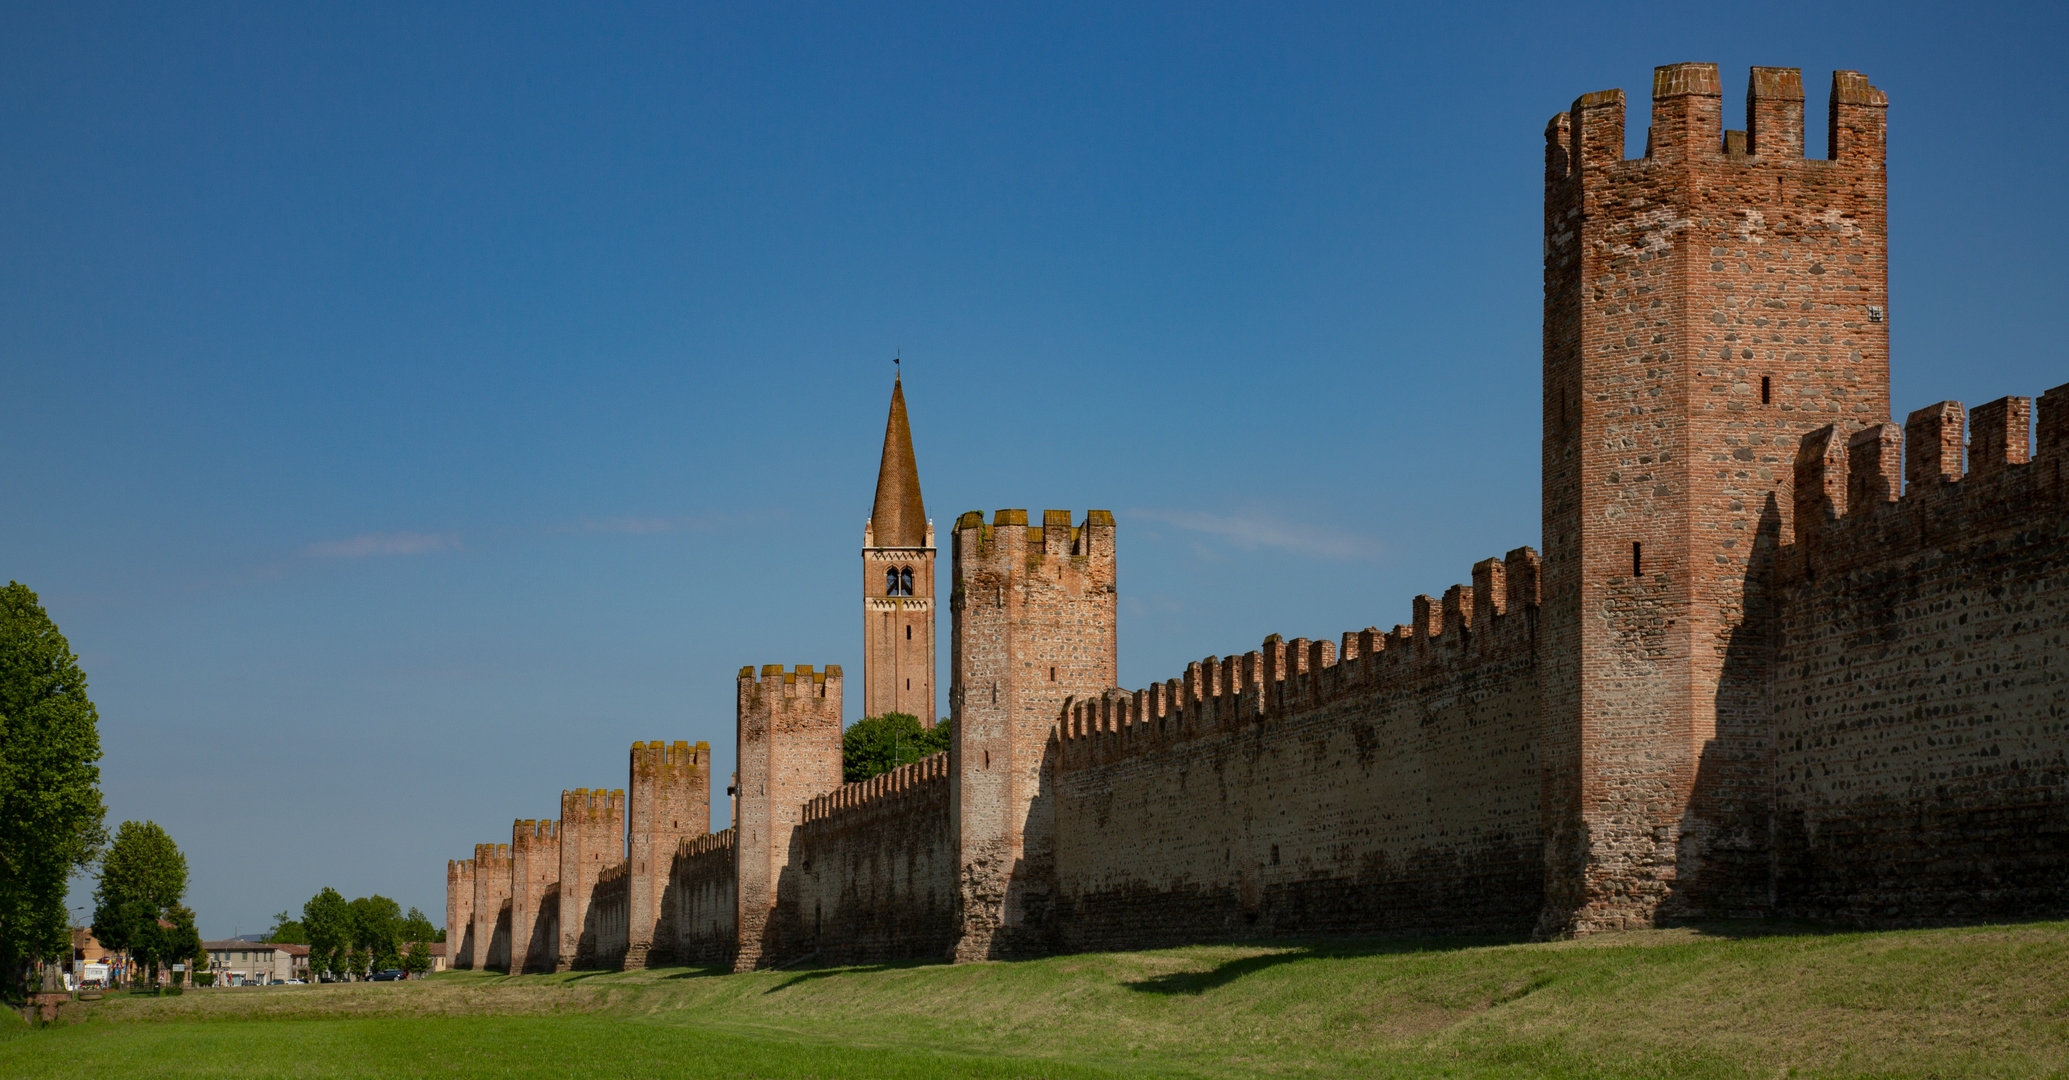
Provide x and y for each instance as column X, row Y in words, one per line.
column 1725, row 1001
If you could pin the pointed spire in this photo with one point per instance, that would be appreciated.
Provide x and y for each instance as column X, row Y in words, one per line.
column 899, row 519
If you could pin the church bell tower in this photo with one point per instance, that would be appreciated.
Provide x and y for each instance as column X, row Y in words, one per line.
column 898, row 582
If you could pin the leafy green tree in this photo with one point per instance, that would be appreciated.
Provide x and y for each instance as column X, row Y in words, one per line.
column 50, row 798
column 143, row 878
column 327, row 923
column 877, row 744
column 418, row 959
column 355, row 963
column 377, row 922
column 415, row 927
column 287, row 930
column 182, row 942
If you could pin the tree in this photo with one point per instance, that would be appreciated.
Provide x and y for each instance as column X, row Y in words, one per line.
column 50, row 798
column 287, row 930
column 415, row 927
column 143, row 878
column 182, row 942
column 376, row 922
column 877, row 744
column 327, row 922
column 418, row 960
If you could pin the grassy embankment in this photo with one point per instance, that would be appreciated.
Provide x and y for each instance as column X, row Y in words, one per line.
column 1985, row 1001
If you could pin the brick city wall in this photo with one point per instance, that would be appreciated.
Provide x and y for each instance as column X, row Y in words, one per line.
column 789, row 725
column 459, row 912
column 704, row 888
column 1390, row 786
column 610, row 915
column 491, row 906
column 670, row 801
column 1921, row 704
column 592, row 840
column 1034, row 626
column 875, row 863
column 1706, row 306
column 534, row 894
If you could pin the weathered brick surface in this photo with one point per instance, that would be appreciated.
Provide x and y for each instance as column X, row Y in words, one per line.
column 670, row 801
column 1390, row 787
column 898, row 582
column 534, row 894
column 1921, row 704
column 1034, row 627
column 875, row 863
column 592, row 840
column 491, row 907
column 790, row 752
column 1705, row 306
column 459, row 912
column 1786, row 658
column 705, row 893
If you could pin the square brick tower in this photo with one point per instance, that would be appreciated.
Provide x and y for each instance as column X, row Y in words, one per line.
column 671, row 802
column 592, row 840
column 459, row 912
column 898, row 582
column 1034, row 625
column 790, row 752
column 534, row 871
column 1705, row 307
column 491, row 906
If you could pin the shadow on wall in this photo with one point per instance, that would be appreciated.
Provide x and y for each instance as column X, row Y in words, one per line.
column 1199, row 982
column 1725, row 857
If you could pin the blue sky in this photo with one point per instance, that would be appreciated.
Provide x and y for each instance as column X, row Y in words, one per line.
column 409, row 407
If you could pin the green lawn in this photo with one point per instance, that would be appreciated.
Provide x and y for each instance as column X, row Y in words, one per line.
column 1722, row 1002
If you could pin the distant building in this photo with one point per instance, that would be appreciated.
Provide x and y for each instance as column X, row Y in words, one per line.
column 238, row 962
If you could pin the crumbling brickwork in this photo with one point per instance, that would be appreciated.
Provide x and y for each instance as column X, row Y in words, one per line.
column 459, row 912
column 875, row 863
column 592, row 840
column 790, row 753
column 1705, row 306
column 1389, row 786
column 670, row 794
column 1034, row 626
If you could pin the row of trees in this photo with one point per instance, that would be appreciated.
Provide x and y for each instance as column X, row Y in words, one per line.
column 350, row 938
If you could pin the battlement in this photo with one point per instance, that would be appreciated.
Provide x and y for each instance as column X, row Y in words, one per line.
column 801, row 682
column 886, row 790
column 1055, row 537
column 692, row 847
column 614, row 876
column 1494, row 618
column 650, row 756
column 533, row 832
column 1878, row 493
column 1687, row 122
column 491, row 857
column 586, row 806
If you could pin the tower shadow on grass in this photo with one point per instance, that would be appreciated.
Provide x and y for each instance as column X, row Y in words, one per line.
column 1199, row 982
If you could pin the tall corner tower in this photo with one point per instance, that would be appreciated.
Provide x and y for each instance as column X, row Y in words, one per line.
column 898, row 582
column 1706, row 306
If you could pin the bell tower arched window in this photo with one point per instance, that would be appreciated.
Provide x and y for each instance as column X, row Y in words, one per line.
column 905, row 582
column 891, row 581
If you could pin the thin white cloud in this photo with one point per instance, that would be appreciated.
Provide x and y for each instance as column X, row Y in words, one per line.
column 1259, row 530
column 402, row 543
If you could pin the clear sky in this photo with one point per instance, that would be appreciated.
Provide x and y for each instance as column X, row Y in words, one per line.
column 406, row 408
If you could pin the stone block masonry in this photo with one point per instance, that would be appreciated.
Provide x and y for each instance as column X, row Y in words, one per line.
column 1781, row 655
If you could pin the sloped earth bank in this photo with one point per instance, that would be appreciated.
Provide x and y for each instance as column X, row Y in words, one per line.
column 1722, row 1000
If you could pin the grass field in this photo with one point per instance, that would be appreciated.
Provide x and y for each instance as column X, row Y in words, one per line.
column 1736, row 1001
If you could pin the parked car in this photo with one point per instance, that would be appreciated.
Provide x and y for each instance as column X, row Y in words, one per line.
column 390, row 975
column 296, row 982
